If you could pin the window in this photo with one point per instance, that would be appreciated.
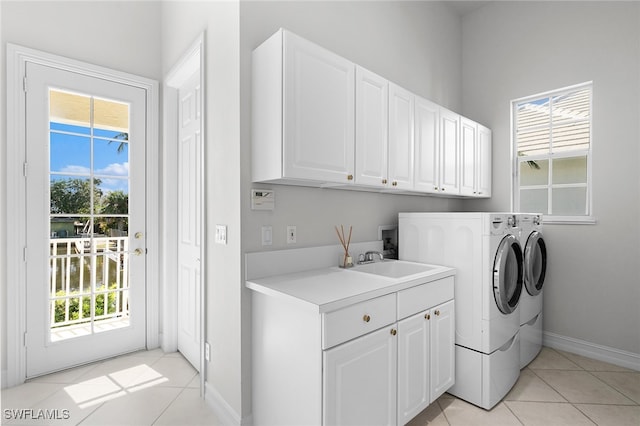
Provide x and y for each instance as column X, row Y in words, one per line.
column 552, row 153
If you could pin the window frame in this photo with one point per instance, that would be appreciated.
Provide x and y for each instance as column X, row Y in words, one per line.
column 588, row 218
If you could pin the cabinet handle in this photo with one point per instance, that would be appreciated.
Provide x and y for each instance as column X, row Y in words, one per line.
column 442, row 189
column 436, row 188
column 349, row 177
column 427, row 316
column 394, row 183
column 366, row 318
column 393, row 332
column 384, row 181
column 437, row 312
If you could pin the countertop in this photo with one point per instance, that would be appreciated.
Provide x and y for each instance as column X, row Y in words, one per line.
column 328, row 289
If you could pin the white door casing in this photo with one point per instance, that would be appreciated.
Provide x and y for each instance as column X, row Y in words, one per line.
column 17, row 169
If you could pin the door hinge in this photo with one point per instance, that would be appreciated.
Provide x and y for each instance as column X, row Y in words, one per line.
column 24, row 254
column 24, row 169
column 24, row 84
column 24, row 343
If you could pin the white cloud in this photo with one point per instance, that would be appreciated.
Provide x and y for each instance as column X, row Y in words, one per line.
column 115, row 169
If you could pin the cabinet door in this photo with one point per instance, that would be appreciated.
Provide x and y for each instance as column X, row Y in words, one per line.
column 319, row 113
column 413, row 366
column 442, row 349
column 449, row 152
column 360, row 381
column 427, row 146
column 372, row 128
column 484, row 162
column 468, row 157
column 400, row 137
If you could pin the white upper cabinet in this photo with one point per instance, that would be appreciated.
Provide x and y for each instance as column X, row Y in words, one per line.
column 321, row 120
column 475, row 159
column 427, row 146
column 468, row 155
column 303, row 112
column 372, row 129
column 401, row 106
column 484, row 162
column 449, row 152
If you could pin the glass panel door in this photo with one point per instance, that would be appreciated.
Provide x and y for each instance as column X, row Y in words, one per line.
column 85, row 257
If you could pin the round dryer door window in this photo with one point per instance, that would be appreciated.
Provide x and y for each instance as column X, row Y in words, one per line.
column 535, row 263
column 507, row 274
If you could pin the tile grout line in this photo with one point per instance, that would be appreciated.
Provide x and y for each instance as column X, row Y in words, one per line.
column 512, row 412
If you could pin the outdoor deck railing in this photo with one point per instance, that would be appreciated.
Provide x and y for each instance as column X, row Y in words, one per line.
column 89, row 279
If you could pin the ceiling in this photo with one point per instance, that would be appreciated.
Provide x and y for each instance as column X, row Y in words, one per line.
column 464, row 7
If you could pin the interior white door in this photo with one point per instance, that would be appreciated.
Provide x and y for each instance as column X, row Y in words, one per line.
column 189, row 218
column 85, row 203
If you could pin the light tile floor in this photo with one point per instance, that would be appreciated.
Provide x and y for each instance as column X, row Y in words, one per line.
column 154, row 388
column 556, row 389
column 143, row 388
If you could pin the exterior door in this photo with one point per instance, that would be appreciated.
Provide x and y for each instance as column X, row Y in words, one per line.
column 189, row 218
column 86, row 229
column 507, row 274
column 535, row 263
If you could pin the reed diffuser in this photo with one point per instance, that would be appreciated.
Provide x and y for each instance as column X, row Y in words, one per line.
column 345, row 261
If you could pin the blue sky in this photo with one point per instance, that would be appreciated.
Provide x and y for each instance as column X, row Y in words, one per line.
column 70, row 156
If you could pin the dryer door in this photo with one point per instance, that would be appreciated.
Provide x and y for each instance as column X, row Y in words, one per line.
column 535, row 263
column 507, row 274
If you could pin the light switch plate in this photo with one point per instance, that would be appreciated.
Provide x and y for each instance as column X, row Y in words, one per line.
column 221, row 234
column 267, row 235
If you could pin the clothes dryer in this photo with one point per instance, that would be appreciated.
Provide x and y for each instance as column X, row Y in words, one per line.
column 531, row 302
column 486, row 252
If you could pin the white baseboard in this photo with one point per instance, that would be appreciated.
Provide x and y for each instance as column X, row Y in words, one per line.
column 591, row 350
column 226, row 414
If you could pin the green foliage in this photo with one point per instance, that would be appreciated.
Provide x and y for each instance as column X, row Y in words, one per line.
column 73, row 195
column 74, row 304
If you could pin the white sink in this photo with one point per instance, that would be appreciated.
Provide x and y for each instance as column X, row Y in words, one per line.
column 394, row 268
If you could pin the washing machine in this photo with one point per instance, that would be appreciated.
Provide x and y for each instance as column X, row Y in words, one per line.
column 486, row 252
column 535, row 268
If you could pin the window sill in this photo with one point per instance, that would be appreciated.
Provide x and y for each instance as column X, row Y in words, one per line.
column 569, row 220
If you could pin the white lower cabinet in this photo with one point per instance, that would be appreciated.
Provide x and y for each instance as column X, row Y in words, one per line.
column 380, row 361
column 426, row 359
column 360, row 380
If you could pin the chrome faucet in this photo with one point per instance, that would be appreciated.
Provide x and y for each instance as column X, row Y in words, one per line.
column 368, row 256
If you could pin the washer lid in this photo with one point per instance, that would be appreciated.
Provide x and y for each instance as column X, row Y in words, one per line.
column 535, row 263
column 507, row 274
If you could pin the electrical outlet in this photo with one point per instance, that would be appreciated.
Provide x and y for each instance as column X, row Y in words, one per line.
column 291, row 234
column 207, row 351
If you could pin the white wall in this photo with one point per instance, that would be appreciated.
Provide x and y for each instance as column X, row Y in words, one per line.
column 102, row 33
column 182, row 22
column 414, row 44
column 514, row 49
